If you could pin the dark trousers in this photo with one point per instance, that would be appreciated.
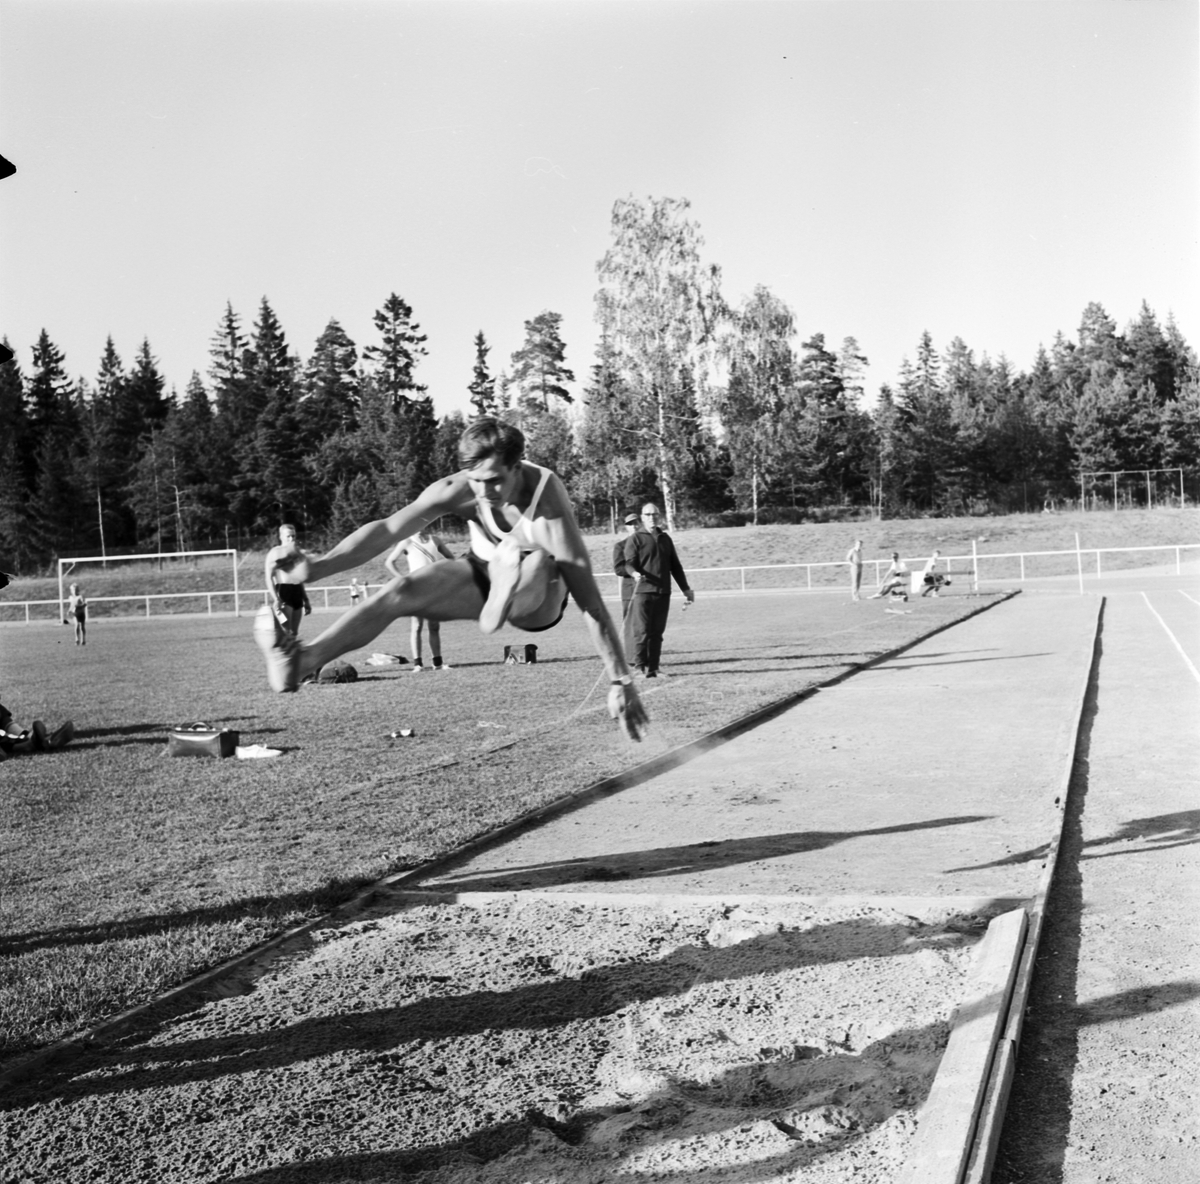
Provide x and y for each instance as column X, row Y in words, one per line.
column 627, row 619
column 649, row 617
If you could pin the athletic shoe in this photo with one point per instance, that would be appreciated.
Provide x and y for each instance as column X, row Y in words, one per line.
column 444, row 666
column 504, row 571
column 418, row 668
column 280, row 649
column 61, row 736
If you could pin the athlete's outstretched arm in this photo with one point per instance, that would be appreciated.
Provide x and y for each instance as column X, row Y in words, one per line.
column 570, row 553
column 446, row 496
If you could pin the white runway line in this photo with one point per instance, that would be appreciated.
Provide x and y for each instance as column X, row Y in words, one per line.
column 1191, row 598
column 1174, row 639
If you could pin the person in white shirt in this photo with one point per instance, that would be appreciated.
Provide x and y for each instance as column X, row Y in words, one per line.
column 422, row 549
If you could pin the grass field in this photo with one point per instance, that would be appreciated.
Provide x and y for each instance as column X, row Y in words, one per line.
column 124, row 871
column 728, row 547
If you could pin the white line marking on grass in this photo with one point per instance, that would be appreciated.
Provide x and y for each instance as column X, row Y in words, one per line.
column 1174, row 639
column 1191, row 598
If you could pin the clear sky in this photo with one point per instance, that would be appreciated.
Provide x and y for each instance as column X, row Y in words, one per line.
column 978, row 169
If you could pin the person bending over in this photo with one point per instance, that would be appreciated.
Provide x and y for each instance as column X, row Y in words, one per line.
column 526, row 555
column 289, row 600
column 422, row 549
column 895, row 577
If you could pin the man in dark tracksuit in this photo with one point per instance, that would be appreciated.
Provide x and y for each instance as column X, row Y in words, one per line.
column 627, row 582
column 650, row 556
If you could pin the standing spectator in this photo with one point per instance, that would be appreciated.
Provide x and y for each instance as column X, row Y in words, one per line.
column 650, row 556
column 422, row 549
column 355, row 591
column 627, row 582
column 854, row 558
column 290, row 601
column 77, row 607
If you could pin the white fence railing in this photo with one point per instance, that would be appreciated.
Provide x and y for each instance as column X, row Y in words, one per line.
column 997, row 567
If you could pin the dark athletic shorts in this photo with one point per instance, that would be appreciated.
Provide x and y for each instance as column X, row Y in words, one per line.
column 479, row 572
column 81, row 614
column 290, row 594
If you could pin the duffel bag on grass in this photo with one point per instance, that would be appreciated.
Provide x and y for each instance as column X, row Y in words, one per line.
column 202, row 740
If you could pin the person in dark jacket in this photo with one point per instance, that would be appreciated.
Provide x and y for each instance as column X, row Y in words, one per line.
column 650, row 557
column 627, row 582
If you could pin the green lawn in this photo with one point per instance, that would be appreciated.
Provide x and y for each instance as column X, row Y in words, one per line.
column 123, row 871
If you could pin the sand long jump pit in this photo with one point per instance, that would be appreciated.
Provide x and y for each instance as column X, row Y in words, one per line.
column 532, row 1038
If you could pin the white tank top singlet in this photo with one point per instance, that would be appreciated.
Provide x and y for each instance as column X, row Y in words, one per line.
column 421, row 554
column 487, row 534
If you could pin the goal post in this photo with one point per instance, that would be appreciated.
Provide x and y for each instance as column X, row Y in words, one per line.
column 67, row 565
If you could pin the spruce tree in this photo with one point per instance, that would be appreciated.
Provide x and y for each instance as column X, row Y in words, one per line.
column 331, row 387
column 16, row 553
column 227, row 349
column 403, row 346
column 483, row 386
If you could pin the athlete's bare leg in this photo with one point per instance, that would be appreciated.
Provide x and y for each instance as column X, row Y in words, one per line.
column 540, row 591
column 441, row 592
column 526, row 591
column 418, row 624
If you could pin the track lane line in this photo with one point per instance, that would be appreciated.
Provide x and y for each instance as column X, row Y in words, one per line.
column 1188, row 597
column 1174, row 639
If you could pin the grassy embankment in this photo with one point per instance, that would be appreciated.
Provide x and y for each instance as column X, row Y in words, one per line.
column 703, row 548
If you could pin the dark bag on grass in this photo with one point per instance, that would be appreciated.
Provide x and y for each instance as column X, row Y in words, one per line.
column 520, row 655
column 336, row 672
column 202, row 740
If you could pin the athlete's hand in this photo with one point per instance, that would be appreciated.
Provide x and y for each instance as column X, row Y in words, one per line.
column 625, row 706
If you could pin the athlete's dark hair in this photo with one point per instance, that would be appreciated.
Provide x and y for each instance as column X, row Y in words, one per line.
column 490, row 437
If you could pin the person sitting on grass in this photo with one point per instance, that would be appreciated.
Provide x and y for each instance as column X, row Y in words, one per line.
column 895, row 577
column 16, row 739
column 422, row 549
column 526, row 555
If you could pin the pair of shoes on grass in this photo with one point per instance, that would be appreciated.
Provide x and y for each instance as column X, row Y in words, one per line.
column 418, row 668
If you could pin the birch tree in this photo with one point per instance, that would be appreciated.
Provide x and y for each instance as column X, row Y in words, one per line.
column 753, row 406
column 659, row 306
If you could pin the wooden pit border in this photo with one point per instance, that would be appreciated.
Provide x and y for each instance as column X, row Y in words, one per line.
column 957, row 1141
column 236, row 976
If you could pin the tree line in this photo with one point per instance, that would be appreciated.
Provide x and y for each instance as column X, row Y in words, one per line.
column 711, row 408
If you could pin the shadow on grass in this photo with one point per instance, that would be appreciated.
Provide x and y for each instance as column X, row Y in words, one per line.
column 270, row 908
column 656, row 862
